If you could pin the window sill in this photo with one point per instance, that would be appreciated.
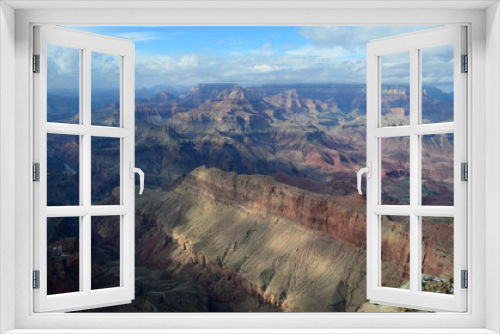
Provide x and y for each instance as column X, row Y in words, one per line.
column 252, row 331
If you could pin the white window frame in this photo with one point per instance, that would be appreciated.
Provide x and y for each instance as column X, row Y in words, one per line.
column 483, row 102
column 85, row 43
column 413, row 44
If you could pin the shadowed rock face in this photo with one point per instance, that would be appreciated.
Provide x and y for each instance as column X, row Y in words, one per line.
column 238, row 243
column 63, row 266
column 228, row 250
column 252, row 234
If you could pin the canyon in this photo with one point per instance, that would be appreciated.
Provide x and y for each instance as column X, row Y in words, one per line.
column 255, row 244
column 250, row 202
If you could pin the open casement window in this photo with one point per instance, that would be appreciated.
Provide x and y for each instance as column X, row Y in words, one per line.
column 84, row 168
column 416, row 198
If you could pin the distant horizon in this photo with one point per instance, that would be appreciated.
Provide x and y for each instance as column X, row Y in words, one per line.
column 158, row 87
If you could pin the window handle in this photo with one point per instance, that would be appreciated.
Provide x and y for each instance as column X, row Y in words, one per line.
column 368, row 171
column 139, row 171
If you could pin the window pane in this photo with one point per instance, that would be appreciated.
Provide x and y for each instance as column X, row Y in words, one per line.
column 63, row 84
column 437, row 84
column 105, row 252
column 437, row 255
column 395, row 170
column 105, row 171
column 105, row 93
column 395, row 93
column 437, row 169
column 395, row 231
column 63, row 170
column 63, row 258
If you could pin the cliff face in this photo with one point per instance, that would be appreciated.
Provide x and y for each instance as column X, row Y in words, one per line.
column 342, row 218
column 240, row 243
column 239, row 240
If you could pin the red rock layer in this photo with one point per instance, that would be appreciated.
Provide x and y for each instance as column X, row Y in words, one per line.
column 340, row 217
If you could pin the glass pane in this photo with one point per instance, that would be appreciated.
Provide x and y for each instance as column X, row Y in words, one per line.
column 395, row 231
column 63, row 170
column 437, row 84
column 105, row 171
column 105, row 252
column 395, row 93
column 105, row 94
column 63, row 84
column 63, row 258
column 437, row 255
column 437, row 169
column 395, row 170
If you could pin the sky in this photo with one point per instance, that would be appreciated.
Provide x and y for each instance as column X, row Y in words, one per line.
column 250, row 56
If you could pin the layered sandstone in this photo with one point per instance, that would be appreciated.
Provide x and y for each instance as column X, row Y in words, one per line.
column 251, row 243
column 249, row 259
column 341, row 217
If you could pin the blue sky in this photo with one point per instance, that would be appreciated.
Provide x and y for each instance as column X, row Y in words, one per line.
column 185, row 55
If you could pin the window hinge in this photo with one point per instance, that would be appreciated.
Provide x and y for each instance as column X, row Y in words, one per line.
column 464, row 171
column 36, row 63
column 465, row 64
column 465, row 279
column 36, row 172
column 36, row 279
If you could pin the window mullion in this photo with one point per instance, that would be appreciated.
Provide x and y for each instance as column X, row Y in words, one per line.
column 86, row 163
column 432, row 129
column 81, row 245
column 85, row 251
column 414, row 170
column 421, row 129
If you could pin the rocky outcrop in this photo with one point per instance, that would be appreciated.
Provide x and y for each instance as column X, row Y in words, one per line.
column 342, row 218
column 249, row 243
column 248, row 260
column 63, row 266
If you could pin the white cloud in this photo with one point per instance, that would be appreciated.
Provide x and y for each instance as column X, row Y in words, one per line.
column 243, row 69
column 265, row 50
column 63, row 69
column 437, row 67
column 189, row 61
column 316, row 52
column 105, row 70
column 265, row 68
column 333, row 54
column 236, row 41
column 324, row 36
column 267, row 46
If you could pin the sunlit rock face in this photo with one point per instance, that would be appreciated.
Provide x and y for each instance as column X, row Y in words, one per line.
column 222, row 239
column 341, row 217
column 257, row 236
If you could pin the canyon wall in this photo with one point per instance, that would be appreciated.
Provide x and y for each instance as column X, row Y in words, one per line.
column 341, row 217
column 247, row 257
column 238, row 243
